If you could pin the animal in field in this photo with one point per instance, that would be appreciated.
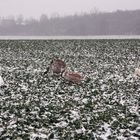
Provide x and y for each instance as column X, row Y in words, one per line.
column 57, row 66
column 72, row 76
column 137, row 72
column 1, row 81
column 2, row 84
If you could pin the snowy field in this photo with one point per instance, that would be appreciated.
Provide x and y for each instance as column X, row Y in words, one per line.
column 69, row 37
column 34, row 106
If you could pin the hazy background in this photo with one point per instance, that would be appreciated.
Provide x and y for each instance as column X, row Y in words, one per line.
column 34, row 8
column 69, row 17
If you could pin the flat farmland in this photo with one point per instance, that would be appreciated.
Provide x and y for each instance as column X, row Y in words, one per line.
column 37, row 106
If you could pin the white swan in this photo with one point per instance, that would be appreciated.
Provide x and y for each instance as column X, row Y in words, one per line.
column 137, row 72
column 1, row 79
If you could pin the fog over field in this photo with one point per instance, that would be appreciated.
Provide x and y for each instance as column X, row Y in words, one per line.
column 68, row 37
column 96, row 95
column 35, row 8
column 69, row 18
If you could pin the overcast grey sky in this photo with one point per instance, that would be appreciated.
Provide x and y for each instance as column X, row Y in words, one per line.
column 34, row 8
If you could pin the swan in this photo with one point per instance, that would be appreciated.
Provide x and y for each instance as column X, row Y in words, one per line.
column 137, row 72
column 1, row 79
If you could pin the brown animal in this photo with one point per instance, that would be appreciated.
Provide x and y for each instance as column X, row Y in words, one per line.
column 72, row 76
column 56, row 67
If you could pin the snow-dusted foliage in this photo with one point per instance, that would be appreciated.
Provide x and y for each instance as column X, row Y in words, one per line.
column 37, row 106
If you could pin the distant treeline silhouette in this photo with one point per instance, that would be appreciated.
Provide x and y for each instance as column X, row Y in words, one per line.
column 94, row 23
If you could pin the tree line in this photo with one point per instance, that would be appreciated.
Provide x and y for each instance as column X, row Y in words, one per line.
column 94, row 23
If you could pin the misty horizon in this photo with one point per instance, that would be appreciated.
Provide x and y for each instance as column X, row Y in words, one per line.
column 115, row 23
column 57, row 15
column 52, row 8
